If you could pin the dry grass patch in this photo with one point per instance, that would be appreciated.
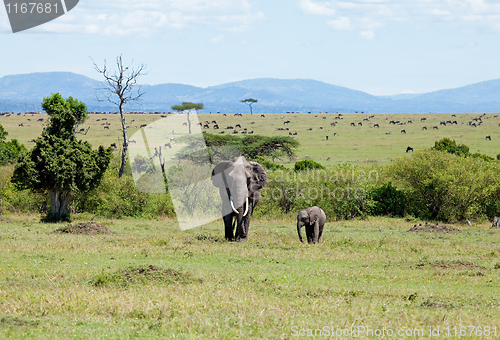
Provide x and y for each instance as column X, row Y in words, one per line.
column 84, row 228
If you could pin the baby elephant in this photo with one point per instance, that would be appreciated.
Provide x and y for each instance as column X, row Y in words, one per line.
column 313, row 219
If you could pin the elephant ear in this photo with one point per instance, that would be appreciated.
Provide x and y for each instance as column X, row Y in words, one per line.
column 258, row 177
column 218, row 172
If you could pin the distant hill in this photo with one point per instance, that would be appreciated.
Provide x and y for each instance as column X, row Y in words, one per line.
column 25, row 92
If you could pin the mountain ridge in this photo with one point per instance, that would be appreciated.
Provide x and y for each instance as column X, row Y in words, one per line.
column 24, row 92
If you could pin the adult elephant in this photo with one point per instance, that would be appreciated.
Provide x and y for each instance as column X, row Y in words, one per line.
column 313, row 218
column 240, row 183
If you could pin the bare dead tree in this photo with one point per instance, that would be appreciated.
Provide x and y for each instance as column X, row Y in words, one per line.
column 119, row 88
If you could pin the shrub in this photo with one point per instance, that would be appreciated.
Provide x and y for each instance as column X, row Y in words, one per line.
column 268, row 164
column 441, row 186
column 387, row 200
column 307, row 164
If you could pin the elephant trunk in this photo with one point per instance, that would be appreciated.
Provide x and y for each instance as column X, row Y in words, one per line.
column 299, row 227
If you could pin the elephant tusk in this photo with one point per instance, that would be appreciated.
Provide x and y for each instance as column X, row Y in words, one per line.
column 232, row 205
column 246, row 210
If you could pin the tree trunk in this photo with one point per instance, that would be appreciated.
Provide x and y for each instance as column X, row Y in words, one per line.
column 59, row 203
column 125, row 142
column 189, row 122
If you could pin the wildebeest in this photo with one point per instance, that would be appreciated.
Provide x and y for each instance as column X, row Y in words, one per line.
column 424, row 127
column 388, row 133
column 206, row 126
column 329, row 158
column 442, row 123
column 333, row 124
column 263, row 116
column 216, row 126
column 238, row 125
column 360, row 124
column 353, row 124
column 435, row 128
column 143, row 125
column 310, row 129
column 409, row 149
column 327, row 137
column 422, row 119
column 286, row 122
column 113, row 145
column 403, row 131
column 169, row 145
column 229, row 127
column 106, row 127
column 376, row 125
column 488, row 137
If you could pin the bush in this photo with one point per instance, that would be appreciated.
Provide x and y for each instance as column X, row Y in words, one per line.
column 268, row 164
column 307, row 164
column 441, row 186
column 387, row 200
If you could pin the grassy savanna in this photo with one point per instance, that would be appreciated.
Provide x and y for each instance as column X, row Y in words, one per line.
column 147, row 279
column 364, row 143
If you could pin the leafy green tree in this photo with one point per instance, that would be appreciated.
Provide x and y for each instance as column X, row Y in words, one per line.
column 9, row 151
column 59, row 163
column 450, row 146
column 249, row 102
column 188, row 106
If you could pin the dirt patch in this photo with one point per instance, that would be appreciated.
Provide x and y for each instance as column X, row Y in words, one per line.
column 84, row 228
column 142, row 275
column 437, row 228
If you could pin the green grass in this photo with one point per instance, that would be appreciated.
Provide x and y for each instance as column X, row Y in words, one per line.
column 353, row 144
column 148, row 279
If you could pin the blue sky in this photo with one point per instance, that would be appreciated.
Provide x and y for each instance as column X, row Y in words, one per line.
column 381, row 47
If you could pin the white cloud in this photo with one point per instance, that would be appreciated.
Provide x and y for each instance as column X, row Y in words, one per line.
column 316, row 8
column 341, row 24
column 125, row 17
column 217, row 40
column 367, row 35
column 367, row 15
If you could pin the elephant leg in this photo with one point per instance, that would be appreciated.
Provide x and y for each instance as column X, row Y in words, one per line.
column 320, row 233
column 228, row 226
column 316, row 232
column 244, row 225
column 309, row 233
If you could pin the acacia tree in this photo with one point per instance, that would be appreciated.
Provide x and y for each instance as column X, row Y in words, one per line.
column 249, row 102
column 188, row 106
column 119, row 86
column 59, row 163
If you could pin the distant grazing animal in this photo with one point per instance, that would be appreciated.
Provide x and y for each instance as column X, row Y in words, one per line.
column 262, row 116
column 442, row 123
column 286, row 122
column 224, row 115
column 310, row 129
column 168, row 145
column 221, row 132
column 388, row 133
column 21, row 124
column 235, row 131
column 216, row 126
column 327, row 137
column 409, row 149
column 424, row 127
column 106, row 127
column 360, row 124
column 353, row 124
column 335, row 134
column 206, row 126
column 332, row 124
column 324, row 117
column 488, row 137
column 294, row 134
column 422, row 119
column 403, row 131
column 376, row 125
column 229, row 127
column 329, row 158
column 40, row 120
column 453, row 115
column 113, row 145
column 410, row 121
column 143, row 125
column 238, row 125
column 250, row 132
column 435, row 128
column 214, row 122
